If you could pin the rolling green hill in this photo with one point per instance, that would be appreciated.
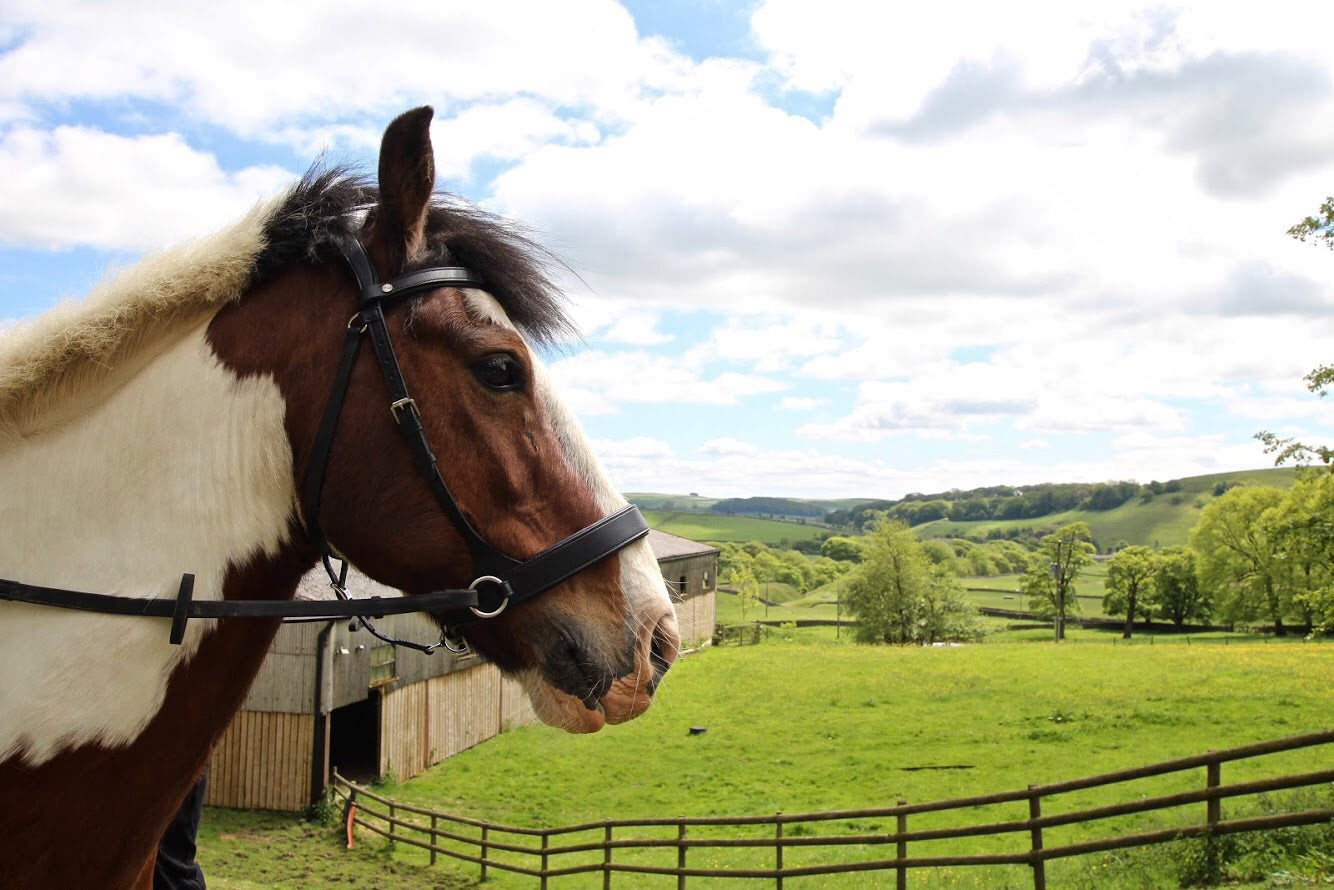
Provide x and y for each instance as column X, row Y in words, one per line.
column 1163, row 520
column 721, row 527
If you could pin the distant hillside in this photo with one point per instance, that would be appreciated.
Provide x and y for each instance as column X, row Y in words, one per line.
column 721, row 527
column 797, row 508
column 669, row 502
column 1162, row 519
column 1155, row 513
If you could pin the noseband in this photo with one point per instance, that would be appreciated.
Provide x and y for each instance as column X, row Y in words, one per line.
column 499, row 580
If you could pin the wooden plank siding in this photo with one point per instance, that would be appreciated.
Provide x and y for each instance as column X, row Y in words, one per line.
column 262, row 762
column 423, row 723
column 695, row 619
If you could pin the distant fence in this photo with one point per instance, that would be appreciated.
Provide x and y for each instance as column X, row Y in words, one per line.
column 604, row 847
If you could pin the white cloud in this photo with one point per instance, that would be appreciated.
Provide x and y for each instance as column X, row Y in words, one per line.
column 253, row 66
column 78, row 186
column 595, row 381
column 728, row 446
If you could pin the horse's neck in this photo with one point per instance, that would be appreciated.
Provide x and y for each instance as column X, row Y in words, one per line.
column 186, row 468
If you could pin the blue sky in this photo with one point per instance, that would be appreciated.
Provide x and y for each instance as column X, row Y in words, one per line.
column 823, row 249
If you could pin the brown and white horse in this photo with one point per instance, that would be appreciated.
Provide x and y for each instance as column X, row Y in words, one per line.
column 162, row 426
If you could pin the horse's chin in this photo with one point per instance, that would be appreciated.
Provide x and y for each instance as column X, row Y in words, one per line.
column 625, row 700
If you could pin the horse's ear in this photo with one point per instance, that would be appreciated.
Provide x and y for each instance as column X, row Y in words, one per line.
column 407, row 179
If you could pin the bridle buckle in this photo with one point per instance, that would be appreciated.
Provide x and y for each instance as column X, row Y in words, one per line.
column 408, row 404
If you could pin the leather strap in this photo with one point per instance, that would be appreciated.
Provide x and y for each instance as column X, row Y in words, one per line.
column 453, row 601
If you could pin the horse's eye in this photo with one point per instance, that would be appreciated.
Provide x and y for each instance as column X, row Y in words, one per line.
column 499, row 371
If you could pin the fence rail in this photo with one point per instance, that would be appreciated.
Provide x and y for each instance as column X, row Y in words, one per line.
column 476, row 841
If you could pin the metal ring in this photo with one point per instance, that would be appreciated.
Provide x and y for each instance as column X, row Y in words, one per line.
column 453, row 643
column 503, row 603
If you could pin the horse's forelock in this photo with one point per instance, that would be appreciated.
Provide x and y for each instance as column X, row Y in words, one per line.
column 328, row 205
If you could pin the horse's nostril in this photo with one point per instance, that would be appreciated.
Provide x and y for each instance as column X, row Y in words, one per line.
column 664, row 645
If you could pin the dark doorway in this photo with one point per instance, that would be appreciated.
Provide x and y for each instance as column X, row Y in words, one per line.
column 354, row 740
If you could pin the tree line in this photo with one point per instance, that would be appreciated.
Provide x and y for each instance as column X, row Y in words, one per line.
column 1000, row 502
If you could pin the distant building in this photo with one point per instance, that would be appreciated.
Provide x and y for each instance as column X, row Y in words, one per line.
column 327, row 697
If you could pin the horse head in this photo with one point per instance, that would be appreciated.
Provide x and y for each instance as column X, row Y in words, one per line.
column 592, row 648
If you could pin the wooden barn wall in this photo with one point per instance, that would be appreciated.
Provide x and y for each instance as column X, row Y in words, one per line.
column 423, row 723
column 262, row 762
column 695, row 618
column 700, row 572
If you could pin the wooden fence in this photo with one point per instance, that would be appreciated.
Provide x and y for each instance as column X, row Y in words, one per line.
column 607, row 846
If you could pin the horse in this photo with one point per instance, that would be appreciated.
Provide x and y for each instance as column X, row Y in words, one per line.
column 179, row 422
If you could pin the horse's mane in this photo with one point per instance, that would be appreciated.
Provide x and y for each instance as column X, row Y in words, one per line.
column 65, row 356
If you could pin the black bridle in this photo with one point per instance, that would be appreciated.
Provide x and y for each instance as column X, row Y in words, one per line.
column 500, row 580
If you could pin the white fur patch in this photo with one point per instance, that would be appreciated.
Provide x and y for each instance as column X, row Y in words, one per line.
column 186, row 468
column 482, row 305
column 642, row 585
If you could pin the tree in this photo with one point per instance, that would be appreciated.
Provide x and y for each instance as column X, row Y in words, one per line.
column 884, row 590
column 1238, row 543
column 841, row 548
column 1177, row 594
column 898, row 597
column 1049, row 583
column 741, row 578
column 944, row 612
column 1305, row 528
column 1318, row 381
column 1130, row 582
column 1318, row 228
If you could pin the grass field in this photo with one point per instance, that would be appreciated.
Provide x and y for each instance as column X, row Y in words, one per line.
column 804, row 723
column 810, row 724
column 721, row 527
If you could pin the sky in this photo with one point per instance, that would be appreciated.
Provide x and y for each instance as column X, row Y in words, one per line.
column 816, row 249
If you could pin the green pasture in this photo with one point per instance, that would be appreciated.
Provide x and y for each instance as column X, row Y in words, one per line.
column 804, row 723
column 722, row 527
column 800, row 724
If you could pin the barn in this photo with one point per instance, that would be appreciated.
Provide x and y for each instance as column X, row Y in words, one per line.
column 331, row 697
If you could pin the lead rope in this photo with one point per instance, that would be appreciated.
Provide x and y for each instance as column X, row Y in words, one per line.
column 338, row 581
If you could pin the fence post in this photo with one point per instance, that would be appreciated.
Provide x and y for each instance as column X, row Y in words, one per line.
column 433, row 837
column 1035, row 831
column 392, row 815
column 606, row 855
column 485, row 826
column 901, row 848
column 546, row 842
column 1213, row 778
column 680, row 854
column 778, row 850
